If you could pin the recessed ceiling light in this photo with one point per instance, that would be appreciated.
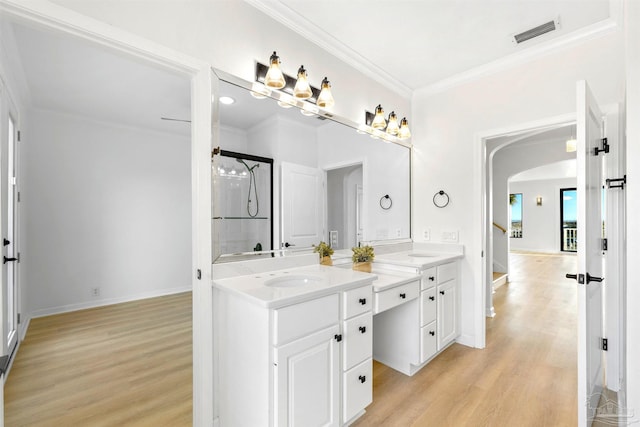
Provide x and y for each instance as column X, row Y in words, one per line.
column 227, row 100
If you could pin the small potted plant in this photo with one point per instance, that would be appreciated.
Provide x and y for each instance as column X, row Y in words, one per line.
column 362, row 257
column 325, row 251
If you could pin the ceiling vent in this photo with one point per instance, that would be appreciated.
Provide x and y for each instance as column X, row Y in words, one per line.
column 537, row 31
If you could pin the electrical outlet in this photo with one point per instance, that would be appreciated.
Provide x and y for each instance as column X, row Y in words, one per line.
column 427, row 234
column 398, row 232
column 333, row 238
column 450, row 236
column 95, row 292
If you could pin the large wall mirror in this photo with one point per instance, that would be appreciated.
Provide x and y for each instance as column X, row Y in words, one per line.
column 283, row 180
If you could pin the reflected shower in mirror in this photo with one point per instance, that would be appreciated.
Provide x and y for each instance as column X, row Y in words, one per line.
column 326, row 180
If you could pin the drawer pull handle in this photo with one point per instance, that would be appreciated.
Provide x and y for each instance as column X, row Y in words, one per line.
column 362, row 301
column 338, row 337
column 362, row 378
column 403, row 296
column 432, row 298
column 441, row 292
column 432, row 278
column 363, row 329
column 433, row 334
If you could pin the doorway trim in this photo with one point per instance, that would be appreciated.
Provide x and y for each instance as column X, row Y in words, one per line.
column 53, row 17
column 483, row 299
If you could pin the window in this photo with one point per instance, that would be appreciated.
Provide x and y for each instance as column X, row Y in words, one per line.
column 568, row 220
column 515, row 200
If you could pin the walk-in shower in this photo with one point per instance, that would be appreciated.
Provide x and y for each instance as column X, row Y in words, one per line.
column 242, row 203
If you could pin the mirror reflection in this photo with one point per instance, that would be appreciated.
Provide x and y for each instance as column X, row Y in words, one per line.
column 285, row 180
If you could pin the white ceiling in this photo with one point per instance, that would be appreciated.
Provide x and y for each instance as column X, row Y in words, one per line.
column 71, row 75
column 417, row 43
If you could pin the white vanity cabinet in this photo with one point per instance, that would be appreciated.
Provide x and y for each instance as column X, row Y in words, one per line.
column 305, row 364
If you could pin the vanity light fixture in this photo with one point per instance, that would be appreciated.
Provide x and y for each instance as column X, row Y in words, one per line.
column 302, row 90
column 404, row 132
column 571, row 145
column 392, row 124
column 325, row 99
column 274, row 77
column 378, row 121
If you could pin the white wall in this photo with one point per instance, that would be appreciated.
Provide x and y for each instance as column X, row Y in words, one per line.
column 447, row 125
column 109, row 207
column 232, row 35
column 632, row 39
column 540, row 224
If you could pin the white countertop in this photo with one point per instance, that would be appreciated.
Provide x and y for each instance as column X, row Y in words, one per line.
column 389, row 279
column 423, row 262
column 328, row 280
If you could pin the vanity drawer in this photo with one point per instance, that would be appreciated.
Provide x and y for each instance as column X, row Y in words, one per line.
column 301, row 319
column 428, row 306
column 446, row 272
column 428, row 342
column 357, row 301
column 395, row 296
column 358, row 340
column 428, row 278
column 358, row 390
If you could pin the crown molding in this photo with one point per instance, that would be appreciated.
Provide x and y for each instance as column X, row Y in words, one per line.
column 313, row 33
column 572, row 39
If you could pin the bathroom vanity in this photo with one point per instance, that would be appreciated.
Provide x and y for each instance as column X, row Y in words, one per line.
column 298, row 342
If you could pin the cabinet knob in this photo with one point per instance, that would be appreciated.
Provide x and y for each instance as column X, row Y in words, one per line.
column 432, row 298
column 362, row 378
column 432, row 278
column 403, row 296
column 362, row 301
column 363, row 329
column 433, row 334
column 441, row 292
column 338, row 337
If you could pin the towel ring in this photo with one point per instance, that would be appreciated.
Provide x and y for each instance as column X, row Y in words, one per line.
column 386, row 202
column 441, row 201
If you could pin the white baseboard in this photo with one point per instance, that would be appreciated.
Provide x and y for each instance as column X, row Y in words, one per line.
column 467, row 340
column 107, row 301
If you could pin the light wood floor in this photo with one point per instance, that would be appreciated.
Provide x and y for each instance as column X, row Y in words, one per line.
column 526, row 376
column 121, row 365
column 130, row 364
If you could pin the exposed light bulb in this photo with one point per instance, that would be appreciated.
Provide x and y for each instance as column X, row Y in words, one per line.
column 325, row 99
column 404, row 132
column 274, row 77
column 378, row 121
column 571, row 145
column 302, row 90
column 392, row 125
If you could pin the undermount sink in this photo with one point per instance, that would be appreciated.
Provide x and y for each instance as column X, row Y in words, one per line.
column 419, row 255
column 292, row 281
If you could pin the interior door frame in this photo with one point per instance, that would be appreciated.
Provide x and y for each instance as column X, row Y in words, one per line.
column 49, row 16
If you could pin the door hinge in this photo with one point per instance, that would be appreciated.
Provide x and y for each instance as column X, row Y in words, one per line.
column 622, row 182
column 18, row 197
column 605, row 344
column 605, row 243
column 18, row 256
column 215, row 152
column 19, row 318
column 199, row 274
column 604, row 149
column 19, row 136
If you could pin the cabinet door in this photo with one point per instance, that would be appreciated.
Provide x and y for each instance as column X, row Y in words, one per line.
column 358, row 340
column 307, row 381
column 447, row 316
column 428, row 342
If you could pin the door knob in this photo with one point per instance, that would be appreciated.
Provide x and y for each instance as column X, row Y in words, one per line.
column 6, row 260
column 5, row 242
column 403, row 296
column 287, row 244
column 432, row 298
column 591, row 278
column 578, row 277
column 363, row 329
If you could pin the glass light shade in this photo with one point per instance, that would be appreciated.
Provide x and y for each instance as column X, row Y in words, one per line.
column 392, row 125
column 286, row 101
column 404, row 132
column 325, row 99
column 309, row 109
column 378, row 121
column 274, row 77
column 258, row 91
column 571, row 145
column 302, row 90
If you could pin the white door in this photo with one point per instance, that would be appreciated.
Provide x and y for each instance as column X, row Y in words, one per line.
column 302, row 212
column 307, row 378
column 590, row 261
